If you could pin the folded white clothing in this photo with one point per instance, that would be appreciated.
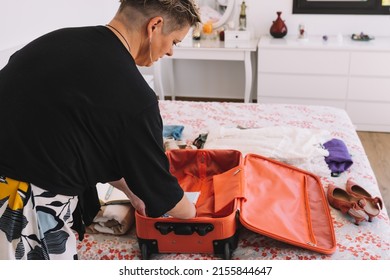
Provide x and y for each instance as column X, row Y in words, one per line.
column 113, row 219
column 300, row 147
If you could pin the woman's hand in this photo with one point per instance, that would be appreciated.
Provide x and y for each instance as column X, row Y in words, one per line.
column 137, row 203
column 184, row 209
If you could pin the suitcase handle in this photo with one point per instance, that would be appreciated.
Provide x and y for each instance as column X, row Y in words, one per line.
column 203, row 229
column 184, row 228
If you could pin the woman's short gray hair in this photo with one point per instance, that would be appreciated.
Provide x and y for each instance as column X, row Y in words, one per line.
column 178, row 13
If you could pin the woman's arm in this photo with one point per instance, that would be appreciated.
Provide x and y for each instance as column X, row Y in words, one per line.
column 184, row 209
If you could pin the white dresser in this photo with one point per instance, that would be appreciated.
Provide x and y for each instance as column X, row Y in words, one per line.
column 347, row 74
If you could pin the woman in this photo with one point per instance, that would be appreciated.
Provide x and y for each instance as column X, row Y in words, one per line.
column 76, row 111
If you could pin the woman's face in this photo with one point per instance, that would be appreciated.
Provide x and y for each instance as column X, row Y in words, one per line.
column 159, row 44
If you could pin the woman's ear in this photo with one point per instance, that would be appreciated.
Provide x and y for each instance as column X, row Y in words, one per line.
column 154, row 24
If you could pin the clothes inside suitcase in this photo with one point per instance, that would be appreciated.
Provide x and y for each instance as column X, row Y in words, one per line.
column 264, row 195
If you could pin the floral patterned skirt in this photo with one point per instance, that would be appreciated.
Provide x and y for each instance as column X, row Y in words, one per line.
column 34, row 223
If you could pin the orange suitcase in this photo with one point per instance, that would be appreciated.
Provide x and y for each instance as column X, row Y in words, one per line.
column 265, row 196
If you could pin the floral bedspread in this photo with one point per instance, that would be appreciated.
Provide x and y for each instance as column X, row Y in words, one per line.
column 368, row 241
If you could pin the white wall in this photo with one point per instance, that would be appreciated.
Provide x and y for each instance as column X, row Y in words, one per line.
column 260, row 14
column 23, row 20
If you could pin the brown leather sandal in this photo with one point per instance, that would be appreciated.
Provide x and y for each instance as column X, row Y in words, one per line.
column 374, row 204
column 338, row 198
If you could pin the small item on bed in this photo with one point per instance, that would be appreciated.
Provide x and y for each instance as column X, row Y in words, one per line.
column 173, row 131
column 108, row 195
column 172, row 144
column 200, row 140
column 339, row 159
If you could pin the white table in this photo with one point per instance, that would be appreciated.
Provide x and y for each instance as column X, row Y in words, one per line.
column 210, row 50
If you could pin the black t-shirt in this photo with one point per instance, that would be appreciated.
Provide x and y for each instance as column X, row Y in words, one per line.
column 75, row 110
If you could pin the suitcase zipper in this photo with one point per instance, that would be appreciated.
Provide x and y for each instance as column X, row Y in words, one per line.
column 313, row 241
column 277, row 237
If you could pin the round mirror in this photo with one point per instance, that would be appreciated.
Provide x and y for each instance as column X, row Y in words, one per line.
column 216, row 11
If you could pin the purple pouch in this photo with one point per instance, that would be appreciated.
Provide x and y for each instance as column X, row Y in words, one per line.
column 339, row 159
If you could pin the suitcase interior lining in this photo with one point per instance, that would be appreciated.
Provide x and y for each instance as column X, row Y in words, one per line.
column 288, row 205
column 195, row 171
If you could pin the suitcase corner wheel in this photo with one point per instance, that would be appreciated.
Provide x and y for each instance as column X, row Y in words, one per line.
column 147, row 248
column 222, row 248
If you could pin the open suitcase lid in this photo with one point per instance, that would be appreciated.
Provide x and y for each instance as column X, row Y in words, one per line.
column 281, row 202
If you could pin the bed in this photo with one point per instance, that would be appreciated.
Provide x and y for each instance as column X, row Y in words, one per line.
column 368, row 241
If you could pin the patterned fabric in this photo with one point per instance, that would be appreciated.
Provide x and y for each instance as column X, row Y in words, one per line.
column 35, row 224
column 368, row 241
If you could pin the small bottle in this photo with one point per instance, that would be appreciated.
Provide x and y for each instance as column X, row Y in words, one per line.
column 242, row 19
column 222, row 34
column 301, row 29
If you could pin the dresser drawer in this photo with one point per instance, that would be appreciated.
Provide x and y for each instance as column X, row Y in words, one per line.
column 369, row 113
column 303, row 62
column 369, row 89
column 370, row 64
column 308, row 86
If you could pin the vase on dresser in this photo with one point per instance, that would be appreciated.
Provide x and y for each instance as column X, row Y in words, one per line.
column 278, row 28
